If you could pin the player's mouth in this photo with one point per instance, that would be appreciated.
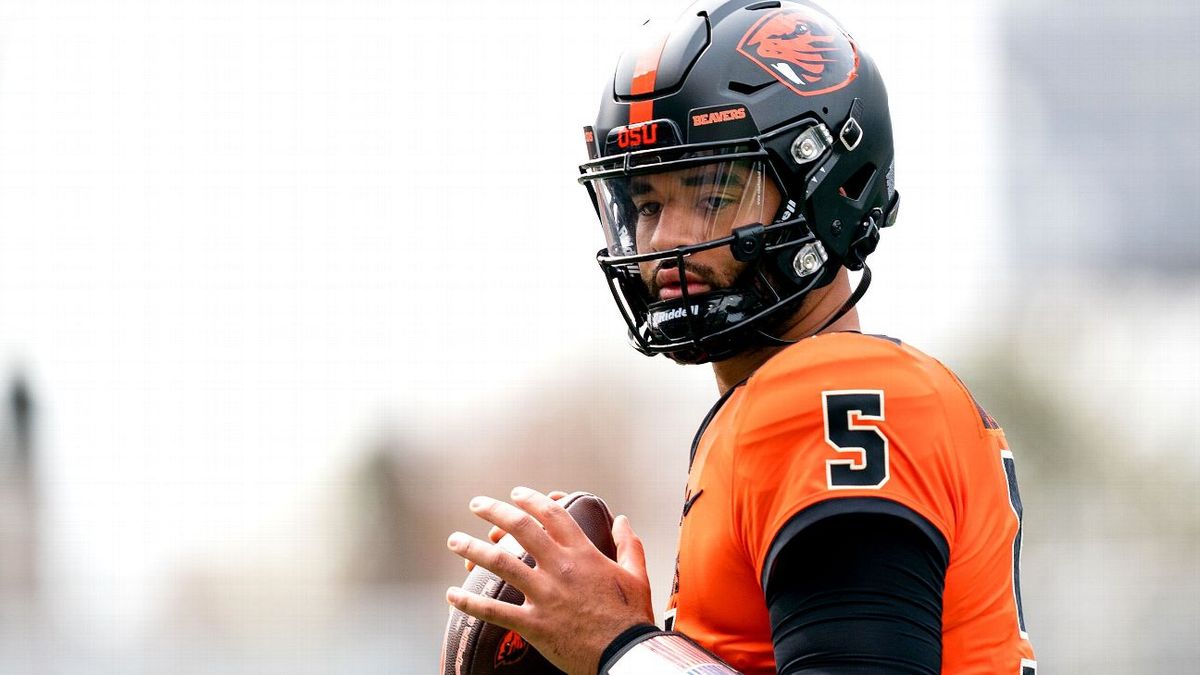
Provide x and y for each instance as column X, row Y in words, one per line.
column 671, row 284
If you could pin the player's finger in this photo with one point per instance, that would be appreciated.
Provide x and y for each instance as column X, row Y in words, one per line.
column 630, row 553
column 494, row 559
column 494, row 535
column 492, row 611
column 561, row 526
column 521, row 525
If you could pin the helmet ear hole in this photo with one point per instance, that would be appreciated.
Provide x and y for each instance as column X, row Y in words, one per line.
column 747, row 88
column 854, row 187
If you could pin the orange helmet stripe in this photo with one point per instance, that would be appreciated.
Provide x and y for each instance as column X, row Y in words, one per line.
column 644, row 73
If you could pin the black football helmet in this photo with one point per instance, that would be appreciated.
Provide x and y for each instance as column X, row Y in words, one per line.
column 733, row 107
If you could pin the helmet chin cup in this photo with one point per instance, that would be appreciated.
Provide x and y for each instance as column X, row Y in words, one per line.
column 689, row 320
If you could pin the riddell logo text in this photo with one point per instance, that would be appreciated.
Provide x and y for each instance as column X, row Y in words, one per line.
column 633, row 137
column 657, row 318
column 719, row 116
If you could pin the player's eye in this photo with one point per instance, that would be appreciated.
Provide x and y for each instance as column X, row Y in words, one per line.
column 716, row 202
column 649, row 209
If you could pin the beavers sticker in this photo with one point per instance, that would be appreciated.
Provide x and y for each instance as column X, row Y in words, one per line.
column 720, row 123
column 512, row 649
column 802, row 48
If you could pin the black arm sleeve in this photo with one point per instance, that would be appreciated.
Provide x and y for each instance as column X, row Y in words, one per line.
column 858, row 593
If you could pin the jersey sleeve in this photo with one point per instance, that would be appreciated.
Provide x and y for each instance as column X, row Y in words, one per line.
column 854, row 427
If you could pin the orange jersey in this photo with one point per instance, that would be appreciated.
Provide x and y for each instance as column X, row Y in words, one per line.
column 839, row 423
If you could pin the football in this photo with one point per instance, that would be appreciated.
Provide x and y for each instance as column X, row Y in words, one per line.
column 474, row 647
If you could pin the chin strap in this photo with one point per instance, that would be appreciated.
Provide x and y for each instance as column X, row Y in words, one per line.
column 863, row 284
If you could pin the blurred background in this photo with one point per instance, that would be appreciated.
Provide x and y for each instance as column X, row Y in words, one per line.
column 284, row 283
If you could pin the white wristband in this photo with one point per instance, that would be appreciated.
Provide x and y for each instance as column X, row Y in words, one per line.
column 666, row 654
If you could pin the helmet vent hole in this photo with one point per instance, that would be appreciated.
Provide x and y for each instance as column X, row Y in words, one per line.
column 853, row 188
column 824, row 110
column 746, row 88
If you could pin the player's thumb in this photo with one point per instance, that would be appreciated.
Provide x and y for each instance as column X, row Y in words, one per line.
column 630, row 553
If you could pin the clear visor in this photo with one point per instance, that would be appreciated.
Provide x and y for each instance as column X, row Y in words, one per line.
column 654, row 212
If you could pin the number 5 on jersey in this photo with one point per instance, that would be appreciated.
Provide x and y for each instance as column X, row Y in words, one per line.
column 865, row 447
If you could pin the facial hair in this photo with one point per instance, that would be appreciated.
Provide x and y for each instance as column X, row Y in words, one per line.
column 707, row 275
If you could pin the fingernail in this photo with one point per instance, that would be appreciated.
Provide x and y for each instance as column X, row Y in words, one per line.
column 477, row 503
column 457, row 539
column 454, row 594
column 520, row 492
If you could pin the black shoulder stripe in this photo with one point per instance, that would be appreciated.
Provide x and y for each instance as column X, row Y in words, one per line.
column 709, row 418
column 889, row 338
column 989, row 422
column 880, row 336
column 839, row 506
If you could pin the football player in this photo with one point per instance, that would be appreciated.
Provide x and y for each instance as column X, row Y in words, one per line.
column 849, row 507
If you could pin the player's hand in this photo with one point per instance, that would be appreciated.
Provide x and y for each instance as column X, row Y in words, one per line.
column 496, row 534
column 576, row 599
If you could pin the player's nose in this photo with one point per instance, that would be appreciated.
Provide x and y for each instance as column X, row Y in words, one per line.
column 675, row 228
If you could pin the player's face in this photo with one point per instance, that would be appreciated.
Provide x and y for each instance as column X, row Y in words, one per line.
column 691, row 206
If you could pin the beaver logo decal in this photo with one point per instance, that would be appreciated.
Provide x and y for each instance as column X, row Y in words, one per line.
column 512, row 648
column 803, row 49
